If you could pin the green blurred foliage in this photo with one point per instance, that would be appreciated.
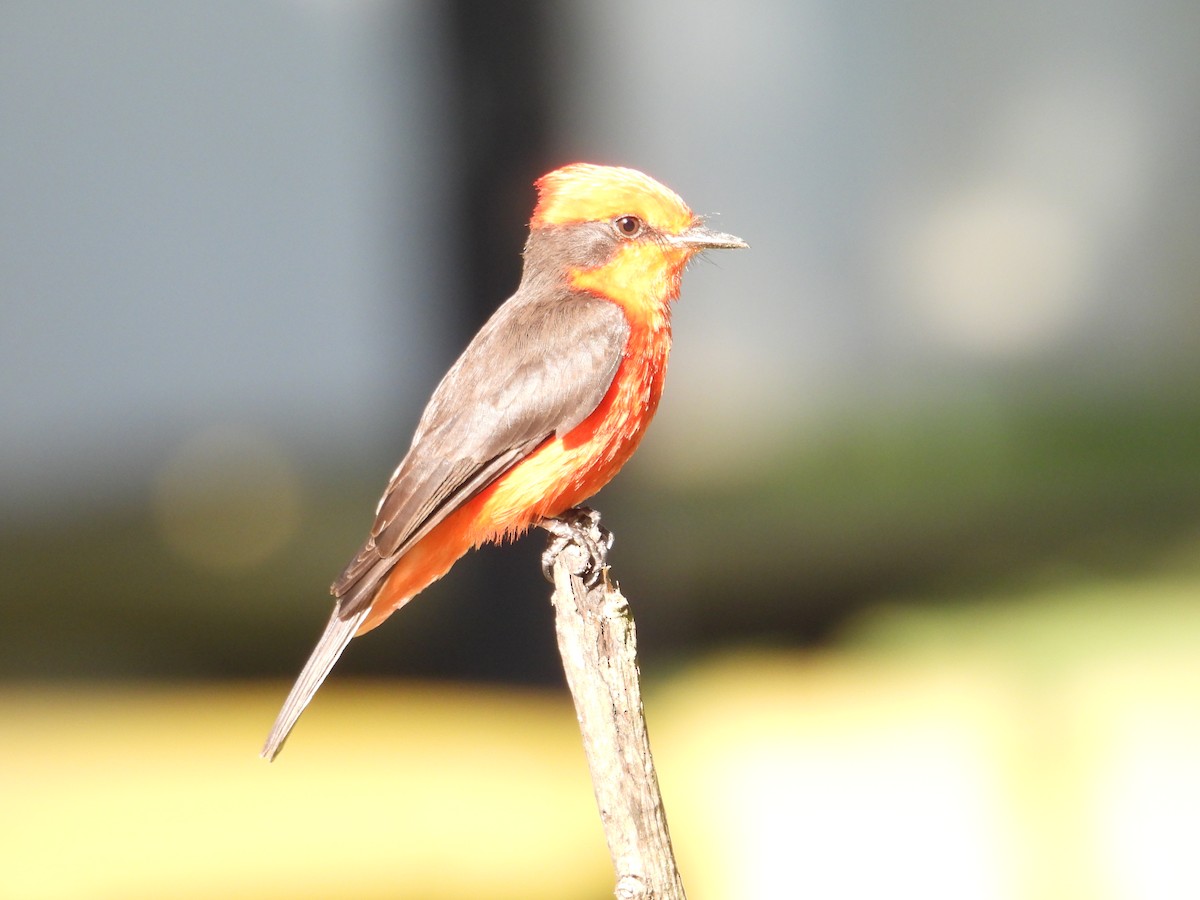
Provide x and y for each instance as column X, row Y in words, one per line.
column 978, row 495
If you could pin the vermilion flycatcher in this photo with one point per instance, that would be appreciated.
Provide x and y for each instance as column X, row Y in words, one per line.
column 543, row 408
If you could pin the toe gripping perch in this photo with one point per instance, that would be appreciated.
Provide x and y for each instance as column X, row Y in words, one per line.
column 578, row 527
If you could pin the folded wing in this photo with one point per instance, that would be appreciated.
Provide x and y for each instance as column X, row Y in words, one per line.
column 538, row 368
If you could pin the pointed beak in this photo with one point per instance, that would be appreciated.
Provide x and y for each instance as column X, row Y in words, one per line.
column 700, row 238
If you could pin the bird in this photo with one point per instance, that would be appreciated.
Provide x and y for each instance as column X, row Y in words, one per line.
column 548, row 401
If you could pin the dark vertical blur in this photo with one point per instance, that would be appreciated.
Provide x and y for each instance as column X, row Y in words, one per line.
column 498, row 59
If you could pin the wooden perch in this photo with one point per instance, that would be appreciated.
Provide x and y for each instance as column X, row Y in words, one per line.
column 599, row 652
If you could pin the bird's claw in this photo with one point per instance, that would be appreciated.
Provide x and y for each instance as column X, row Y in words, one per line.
column 579, row 527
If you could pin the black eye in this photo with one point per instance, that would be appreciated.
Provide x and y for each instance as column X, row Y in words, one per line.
column 628, row 226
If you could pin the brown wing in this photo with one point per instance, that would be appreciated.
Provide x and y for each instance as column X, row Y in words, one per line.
column 538, row 368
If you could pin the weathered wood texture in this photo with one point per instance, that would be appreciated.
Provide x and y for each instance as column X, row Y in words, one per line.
column 599, row 652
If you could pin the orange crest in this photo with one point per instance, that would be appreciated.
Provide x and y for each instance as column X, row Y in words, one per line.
column 582, row 192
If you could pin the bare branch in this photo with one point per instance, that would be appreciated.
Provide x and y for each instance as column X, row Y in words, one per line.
column 598, row 645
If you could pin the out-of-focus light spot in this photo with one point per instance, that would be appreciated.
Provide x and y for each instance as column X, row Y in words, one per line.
column 1146, row 814
column 996, row 270
column 1088, row 142
column 227, row 499
column 809, row 776
column 824, row 800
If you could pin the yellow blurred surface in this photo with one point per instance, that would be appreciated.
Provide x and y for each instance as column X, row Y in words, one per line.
column 383, row 791
column 1046, row 746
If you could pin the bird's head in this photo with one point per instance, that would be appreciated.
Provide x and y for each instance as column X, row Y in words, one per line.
column 618, row 233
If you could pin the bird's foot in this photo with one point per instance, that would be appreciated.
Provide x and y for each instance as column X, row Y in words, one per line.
column 579, row 527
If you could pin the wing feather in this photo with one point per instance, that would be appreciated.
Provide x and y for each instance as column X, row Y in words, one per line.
column 539, row 367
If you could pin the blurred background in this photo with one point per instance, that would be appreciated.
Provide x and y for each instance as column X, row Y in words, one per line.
column 914, row 543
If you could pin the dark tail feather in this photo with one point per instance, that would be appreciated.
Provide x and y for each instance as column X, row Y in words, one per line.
column 337, row 635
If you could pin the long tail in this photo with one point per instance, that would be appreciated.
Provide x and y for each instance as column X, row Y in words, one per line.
column 337, row 635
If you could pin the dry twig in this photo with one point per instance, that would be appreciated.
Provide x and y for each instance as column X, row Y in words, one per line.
column 599, row 652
